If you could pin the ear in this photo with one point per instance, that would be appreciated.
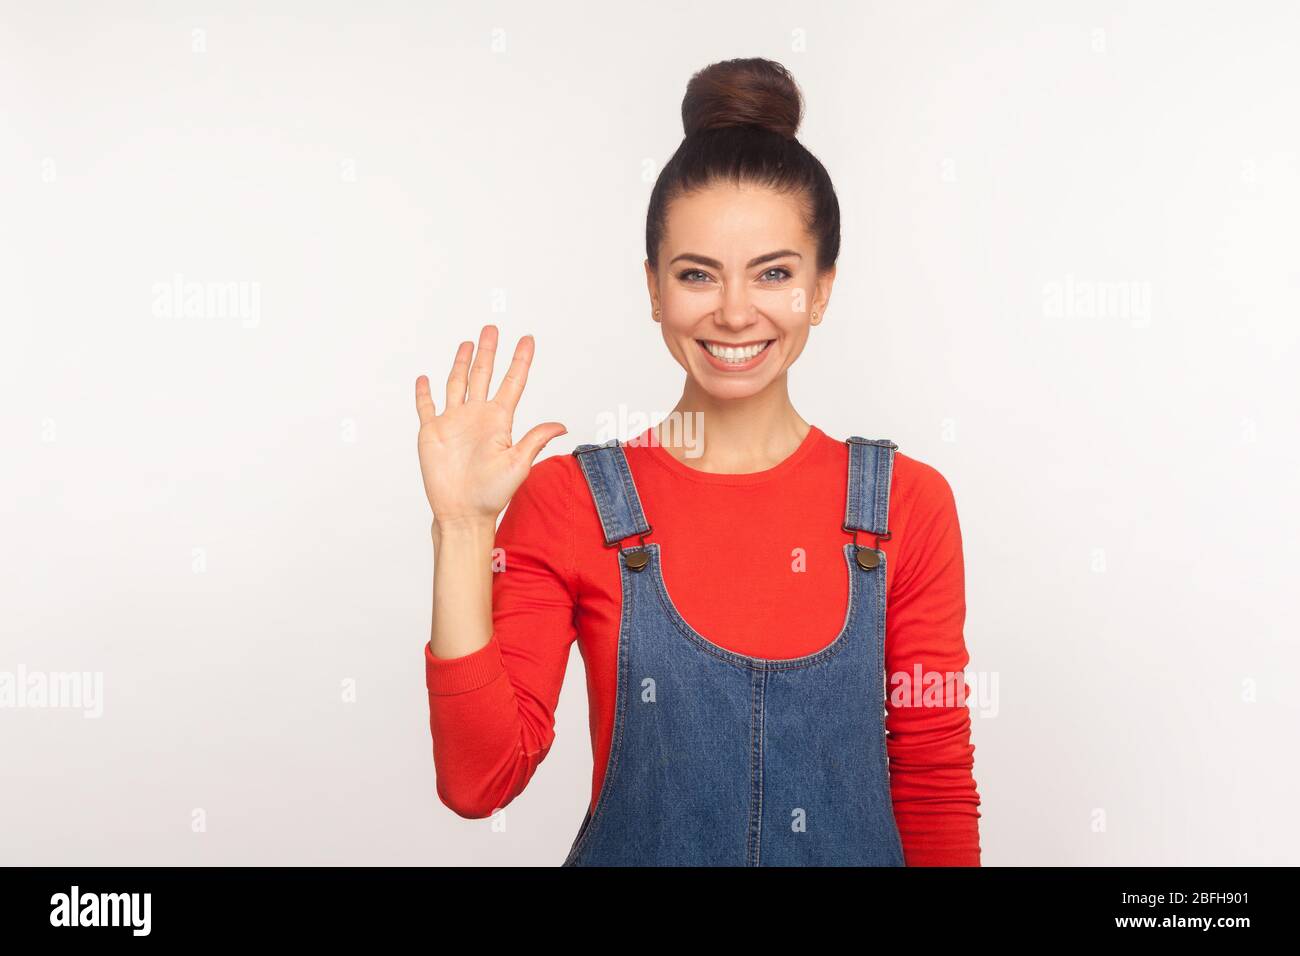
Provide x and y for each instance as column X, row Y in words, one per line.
column 652, row 286
column 822, row 293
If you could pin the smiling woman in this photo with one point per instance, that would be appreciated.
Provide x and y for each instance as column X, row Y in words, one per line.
column 739, row 711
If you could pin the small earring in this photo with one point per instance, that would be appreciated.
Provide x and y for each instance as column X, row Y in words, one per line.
column 656, row 313
column 814, row 318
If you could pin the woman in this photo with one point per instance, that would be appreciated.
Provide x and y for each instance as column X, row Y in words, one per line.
column 755, row 734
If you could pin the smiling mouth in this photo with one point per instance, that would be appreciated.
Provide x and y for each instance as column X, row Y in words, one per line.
column 738, row 354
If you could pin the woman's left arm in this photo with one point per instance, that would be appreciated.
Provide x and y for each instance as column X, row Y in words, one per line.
column 931, row 758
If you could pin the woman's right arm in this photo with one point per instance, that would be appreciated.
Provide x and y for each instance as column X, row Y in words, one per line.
column 471, row 469
column 462, row 586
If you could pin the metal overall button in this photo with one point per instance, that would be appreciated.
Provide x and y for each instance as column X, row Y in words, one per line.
column 639, row 557
column 868, row 559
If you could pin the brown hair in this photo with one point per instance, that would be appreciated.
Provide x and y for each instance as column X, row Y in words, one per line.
column 740, row 118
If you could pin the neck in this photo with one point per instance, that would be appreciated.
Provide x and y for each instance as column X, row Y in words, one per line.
column 733, row 436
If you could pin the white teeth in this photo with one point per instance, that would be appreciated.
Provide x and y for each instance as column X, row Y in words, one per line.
column 735, row 355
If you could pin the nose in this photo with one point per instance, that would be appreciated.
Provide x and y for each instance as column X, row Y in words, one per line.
column 737, row 311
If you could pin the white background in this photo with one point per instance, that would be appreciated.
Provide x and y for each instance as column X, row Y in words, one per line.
column 226, row 519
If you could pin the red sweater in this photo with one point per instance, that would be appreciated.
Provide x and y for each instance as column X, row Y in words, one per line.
column 491, row 712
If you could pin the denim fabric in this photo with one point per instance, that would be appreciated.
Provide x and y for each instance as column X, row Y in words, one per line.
column 719, row 759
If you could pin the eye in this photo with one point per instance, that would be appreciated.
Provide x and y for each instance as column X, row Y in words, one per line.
column 782, row 272
column 691, row 272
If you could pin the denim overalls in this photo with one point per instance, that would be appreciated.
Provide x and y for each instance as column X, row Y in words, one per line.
column 718, row 759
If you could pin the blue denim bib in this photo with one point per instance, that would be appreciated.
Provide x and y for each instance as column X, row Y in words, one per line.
column 718, row 759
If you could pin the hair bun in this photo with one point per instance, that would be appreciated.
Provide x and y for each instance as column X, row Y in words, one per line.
column 746, row 92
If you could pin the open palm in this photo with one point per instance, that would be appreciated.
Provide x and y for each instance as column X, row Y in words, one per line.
column 470, row 464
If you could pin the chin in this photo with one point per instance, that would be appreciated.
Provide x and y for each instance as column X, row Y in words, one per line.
column 729, row 391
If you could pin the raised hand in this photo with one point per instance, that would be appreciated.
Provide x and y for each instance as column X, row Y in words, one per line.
column 471, row 467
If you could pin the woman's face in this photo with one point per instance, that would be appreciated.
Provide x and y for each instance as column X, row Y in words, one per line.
column 737, row 286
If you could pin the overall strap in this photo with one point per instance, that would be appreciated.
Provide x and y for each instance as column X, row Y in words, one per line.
column 871, row 465
column 610, row 480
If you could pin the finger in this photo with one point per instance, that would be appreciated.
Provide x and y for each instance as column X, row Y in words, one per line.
column 531, row 445
column 424, row 400
column 480, row 373
column 459, row 375
column 512, row 386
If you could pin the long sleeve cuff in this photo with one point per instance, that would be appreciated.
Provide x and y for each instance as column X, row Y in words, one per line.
column 459, row 675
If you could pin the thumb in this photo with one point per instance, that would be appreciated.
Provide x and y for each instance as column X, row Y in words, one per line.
column 531, row 445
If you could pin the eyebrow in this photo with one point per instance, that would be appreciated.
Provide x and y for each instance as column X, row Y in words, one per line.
column 715, row 264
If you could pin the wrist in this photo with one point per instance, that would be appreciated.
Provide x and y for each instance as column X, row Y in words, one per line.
column 471, row 526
